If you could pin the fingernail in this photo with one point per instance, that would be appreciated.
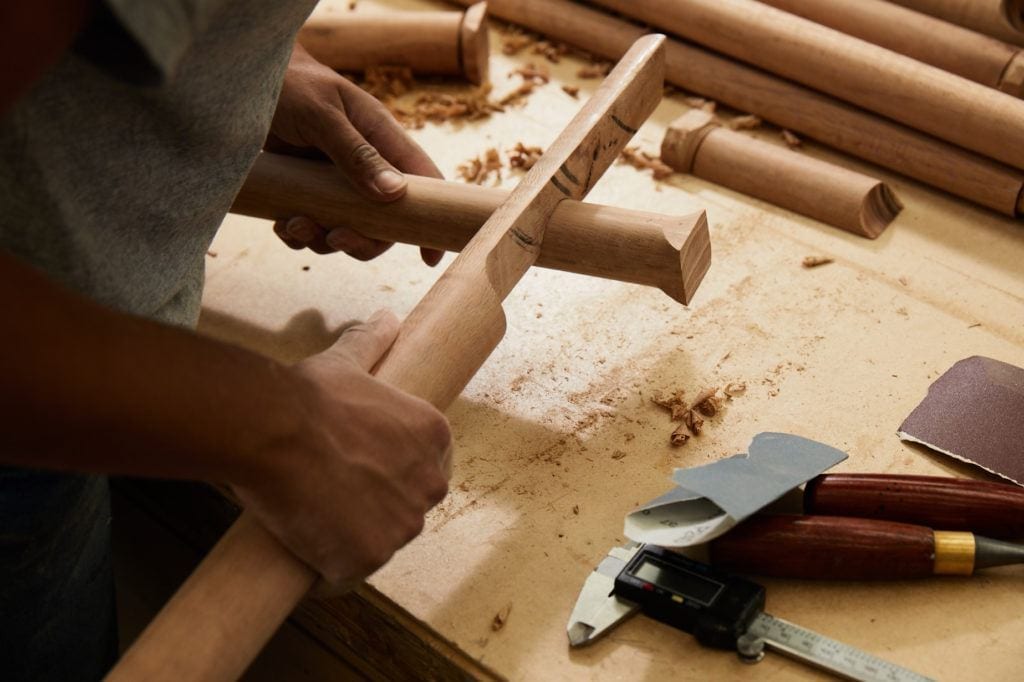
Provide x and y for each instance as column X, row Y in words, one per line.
column 299, row 228
column 388, row 182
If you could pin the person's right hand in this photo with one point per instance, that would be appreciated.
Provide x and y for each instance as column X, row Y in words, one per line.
column 355, row 484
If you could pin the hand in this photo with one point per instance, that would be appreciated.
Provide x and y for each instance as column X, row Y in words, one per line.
column 321, row 110
column 370, row 464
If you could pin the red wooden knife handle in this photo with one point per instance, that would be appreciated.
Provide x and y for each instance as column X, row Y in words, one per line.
column 826, row 547
column 994, row 510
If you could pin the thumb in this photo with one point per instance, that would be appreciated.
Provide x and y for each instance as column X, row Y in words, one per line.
column 360, row 161
column 365, row 344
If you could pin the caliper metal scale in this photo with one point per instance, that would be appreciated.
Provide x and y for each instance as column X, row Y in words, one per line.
column 720, row 610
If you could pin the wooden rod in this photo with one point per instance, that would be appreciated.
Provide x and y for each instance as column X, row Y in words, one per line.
column 222, row 616
column 817, row 116
column 434, row 43
column 975, row 56
column 695, row 143
column 671, row 253
column 1003, row 19
column 921, row 96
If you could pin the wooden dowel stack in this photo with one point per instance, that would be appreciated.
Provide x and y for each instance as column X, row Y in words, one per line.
column 831, row 122
column 433, row 43
column 1003, row 19
column 903, row 89
column 671, row 253
column 975, row 56
column 851, row 201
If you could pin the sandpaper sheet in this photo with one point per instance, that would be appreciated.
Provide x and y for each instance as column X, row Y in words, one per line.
column 975, row 413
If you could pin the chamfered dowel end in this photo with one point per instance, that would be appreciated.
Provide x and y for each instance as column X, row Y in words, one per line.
column 683, row 138
column 688, row 236
column 1012, row 79
column 474, row 44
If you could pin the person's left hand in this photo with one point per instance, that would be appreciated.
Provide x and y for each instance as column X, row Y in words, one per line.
column 321, row 110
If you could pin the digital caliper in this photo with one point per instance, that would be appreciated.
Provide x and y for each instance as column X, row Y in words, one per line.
column 720, row 610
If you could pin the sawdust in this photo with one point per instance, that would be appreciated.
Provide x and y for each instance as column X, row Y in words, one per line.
column 501, row 617
column 551, row 50
column 816, row 261
column 701, row 103
column 791, row 140
column 514, row 43
column 643, row 161
column 571, row 90
column 519, row 95
column 745, row 122
column 676, row 404
column 478, row 169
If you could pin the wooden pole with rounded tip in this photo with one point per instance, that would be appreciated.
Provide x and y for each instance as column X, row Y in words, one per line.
column 433, row 43
column 975, row 56
column 1003, row 19
column 671, row 253
column 820, row 117
column 921, row 96
column 695, row 143
column 222, row 616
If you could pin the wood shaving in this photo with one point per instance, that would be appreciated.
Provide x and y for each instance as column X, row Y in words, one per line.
column 618, row 454
column 501, row 617
column 707, row 402
column 532, row 72
column 551, row 51
column 679, row 436
column 386, row 82
column 441, row 107
column 523, row 158
column 816, row 261
column 519, row 95
column 791, row 140
column 692, row 421
column 644, row 161
column 575, row 509
column 747, row 122
column 734, row 388
column 571, row 90
column 676, row 405
column 477, row 170
column 596, row 70
column 515, row 43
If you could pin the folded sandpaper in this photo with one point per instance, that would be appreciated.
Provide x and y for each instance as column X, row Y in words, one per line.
column 975, row 413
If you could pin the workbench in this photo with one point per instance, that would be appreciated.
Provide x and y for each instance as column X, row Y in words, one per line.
column 557, row 439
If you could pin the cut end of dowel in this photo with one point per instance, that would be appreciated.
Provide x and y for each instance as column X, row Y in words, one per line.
column 1012, row 79
column 881, row 206
column 1013, row 10
column 474, row 44
column 683, row 137
column 690, row 238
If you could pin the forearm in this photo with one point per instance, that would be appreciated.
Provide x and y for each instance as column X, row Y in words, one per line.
column 89, row 389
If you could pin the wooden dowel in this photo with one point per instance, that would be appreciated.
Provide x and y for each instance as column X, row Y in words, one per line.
column 851, row 201
column 1003, row 19
column 433, row 43
column 224, row 613
column 926, row 98
column 975, row 56
column 817, row 116
column 671, row 253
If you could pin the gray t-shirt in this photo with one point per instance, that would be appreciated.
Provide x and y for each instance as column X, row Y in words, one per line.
column 115, row 173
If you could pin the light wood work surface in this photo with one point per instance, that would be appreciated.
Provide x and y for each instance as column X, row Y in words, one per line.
column 556, row 438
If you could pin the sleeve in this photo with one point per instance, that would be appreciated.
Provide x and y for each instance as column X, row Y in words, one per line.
column 143, row 41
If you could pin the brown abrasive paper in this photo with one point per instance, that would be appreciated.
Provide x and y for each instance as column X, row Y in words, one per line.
column 975, row 413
